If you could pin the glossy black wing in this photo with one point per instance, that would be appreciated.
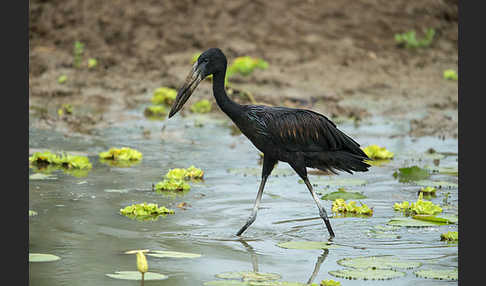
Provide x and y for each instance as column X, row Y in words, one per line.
column 304, row 130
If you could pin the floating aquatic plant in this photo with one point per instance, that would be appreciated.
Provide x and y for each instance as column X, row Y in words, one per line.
column 378, row 262
column 367, row 274
column 63, row 160
column 41, row 257
column 172, row 254
column 340, row 206
column 343, row 194
column 172, row 185
column 65, row 108
column 121, row 154
column 410, row 174
column 377, row 152
column 202, row 106
column 246, row 65
column 92, row 62
column 185, row 174
column 145, row 211
column 419, row 207
column 62, row 79
column 450, row 236
column 164, row 95
column 443, row 219
column 450, row 74
column 427, row 191
column 32, row 213
column 249, row 276
column 329, row 282
column 135, row 275
column 440, row 274
column 155, row 111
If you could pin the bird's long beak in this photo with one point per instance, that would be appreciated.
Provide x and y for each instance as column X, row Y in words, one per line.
column 192, row 81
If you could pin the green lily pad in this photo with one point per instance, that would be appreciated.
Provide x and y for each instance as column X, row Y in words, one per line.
column 436, row 184
column 251, row 283
column 378, row 262
column 135, row 275
column 305, row 245
column 410, row 174
column 410, row 222
column 40, row 257
column 249, row 276
column 440, row 274
column 173, row 254
column 367, row 274
column 343, row 194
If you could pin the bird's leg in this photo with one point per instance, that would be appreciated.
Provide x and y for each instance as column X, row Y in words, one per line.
column 322, row 211
column 268, row 165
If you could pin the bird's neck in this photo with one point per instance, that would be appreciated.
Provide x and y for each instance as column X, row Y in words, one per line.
column 228, row 106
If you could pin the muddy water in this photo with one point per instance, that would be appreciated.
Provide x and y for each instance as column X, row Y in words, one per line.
column 78, row 218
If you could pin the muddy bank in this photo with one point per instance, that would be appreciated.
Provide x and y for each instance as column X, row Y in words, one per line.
column 338, row 58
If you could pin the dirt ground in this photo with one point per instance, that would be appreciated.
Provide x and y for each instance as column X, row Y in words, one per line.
column 339, row 58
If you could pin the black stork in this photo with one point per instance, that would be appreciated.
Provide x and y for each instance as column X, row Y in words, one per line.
column 300, row 137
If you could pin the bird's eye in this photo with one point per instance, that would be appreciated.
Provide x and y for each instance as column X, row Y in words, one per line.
column 205, row 60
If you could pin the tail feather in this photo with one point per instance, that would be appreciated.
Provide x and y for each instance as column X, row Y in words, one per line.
column 338, row 160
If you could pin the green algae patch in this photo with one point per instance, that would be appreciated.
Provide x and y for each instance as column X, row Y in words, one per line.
column 376, row 152
column 172, row 185
column 452, row 236
column 145, row 211
column 419, row 207
column 135, row 275
column 410, row 174
column 155, row 112
column 41, row 257
column 367, row 274
column 378, row 262
column 202, row 106
column 306, row 245
column 342, row 193
column 121, row 154
column 439, row 274
column 164, row 95
column 341, row 207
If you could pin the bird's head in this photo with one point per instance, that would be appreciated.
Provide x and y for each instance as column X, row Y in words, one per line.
column 210, row 62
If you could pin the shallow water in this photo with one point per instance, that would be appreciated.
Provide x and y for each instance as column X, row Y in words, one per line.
column 78, row 218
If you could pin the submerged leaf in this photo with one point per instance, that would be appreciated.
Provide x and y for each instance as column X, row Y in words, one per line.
column 409, row 174
column 343, row 194
column 135, row 275
column 40, row 257
column 305, row 245
column 367, row 274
